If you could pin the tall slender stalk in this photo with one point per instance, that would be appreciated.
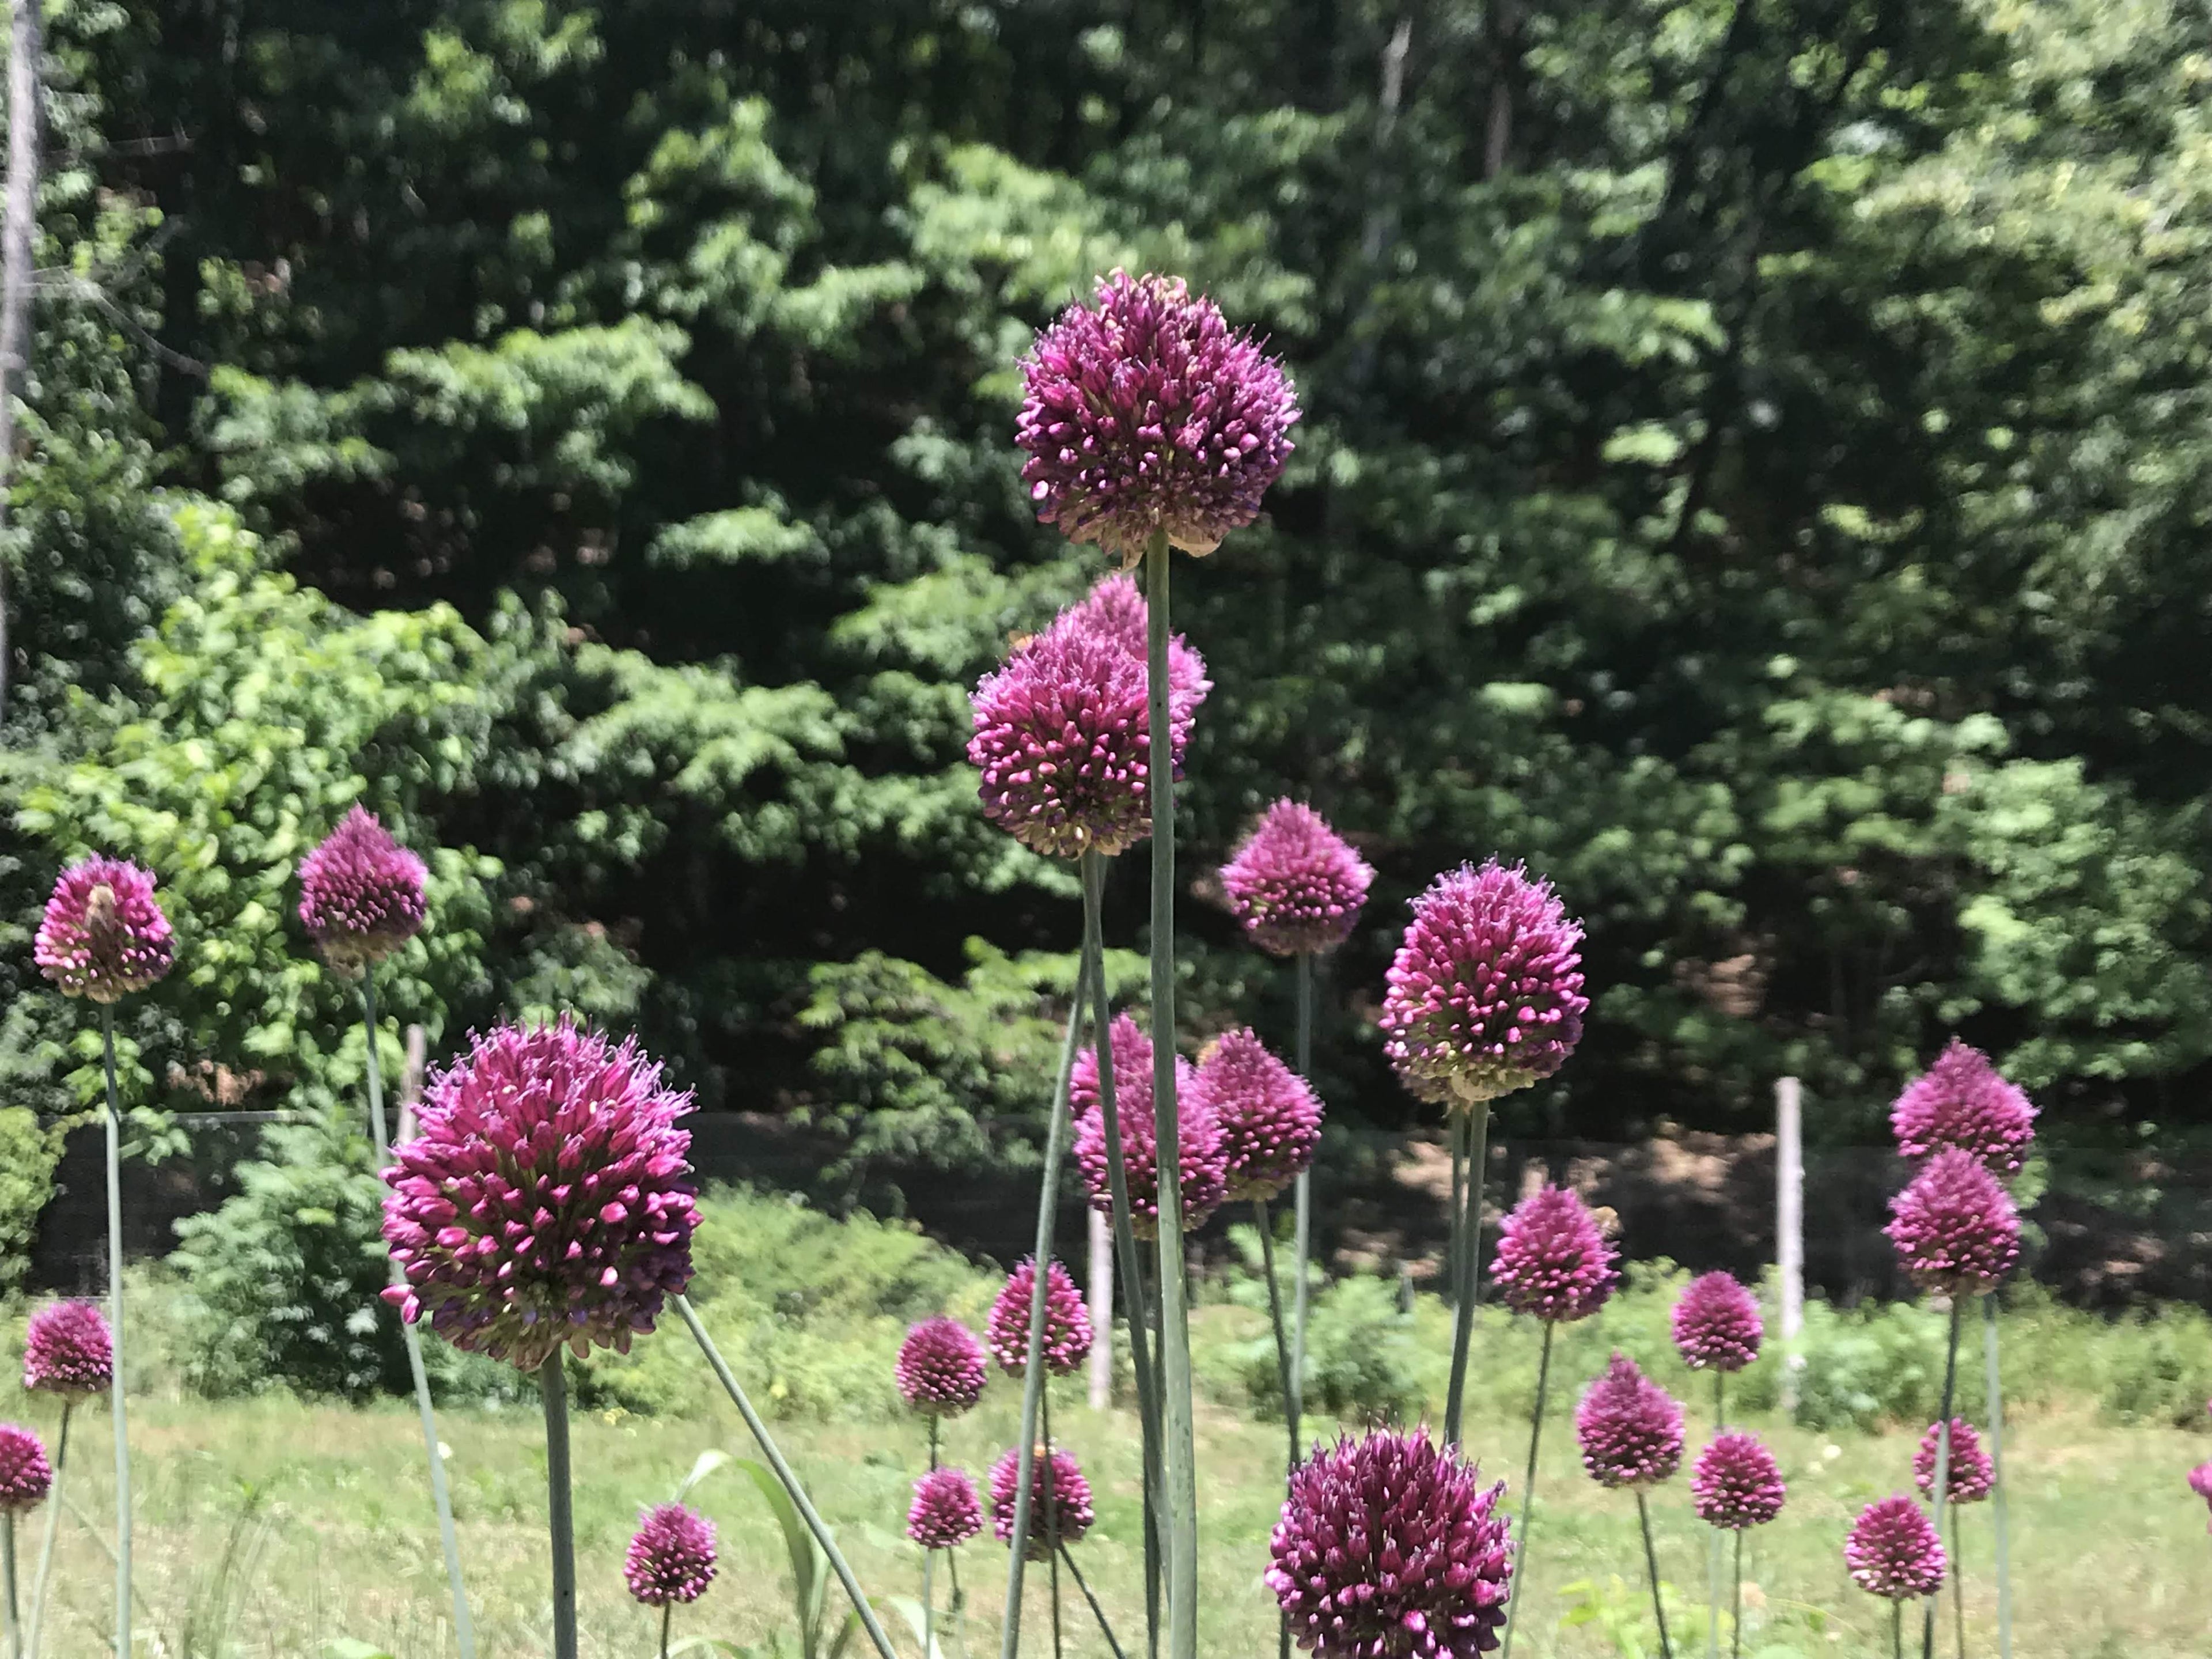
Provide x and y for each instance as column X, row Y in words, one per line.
column 1958, row 1586
column 1736, row 1618
column 7, row 1571
column 1477, row 1135
column 1051, row 1520
column 1097, row 1611
column 1267, row 1225
column 1652, row 1566
column 1943, row 1491
column 561, row 1524
column 783, row 1471
column 53, row 1530
column 1713, row 1552
column 1179, row 1451
column 1897, row 1629
column 1301, row 1222
column 928, row 1564
column 668, row 1617
column 1994, row 1405
column 441, row 1496
column 115, row 1318
column 1529, row 1489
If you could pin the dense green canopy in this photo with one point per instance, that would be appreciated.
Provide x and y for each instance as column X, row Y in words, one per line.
column 1756, row 469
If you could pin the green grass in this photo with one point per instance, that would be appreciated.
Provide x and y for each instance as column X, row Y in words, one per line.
column 338, row 1539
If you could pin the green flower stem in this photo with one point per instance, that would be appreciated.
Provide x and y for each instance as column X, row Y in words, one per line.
column 115, row 1317
column 1994, row 1399
column 1652, row 1566
column 1958, row 1585
column 1051, row 1514
column 1529, row 1489
column 1179, row 1450
column 53, row 1529
column 1897, row 1629
column 799, row 1500
column 561, row 1524
column 7, row 1571
column 1713, row 1554
column 1476, row 1133
column 1301, row 1222
column 1943, row 1465
column 929, row 1563
column 1097, row 1611
column 1267, row 1225
column 441, row 1496
column 1736, row 1618
column 667, row 1617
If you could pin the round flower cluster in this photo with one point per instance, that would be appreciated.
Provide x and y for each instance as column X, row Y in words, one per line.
column 1735, row 1483
column 1294, row 884
column 1961, row 1101
column 1389, row 1547
column 1553, row 1259
column 1149, row 414
column 1133, row 1071
column 1954, row 1226
column 67, row 1350
column 546, row 1198
column 1893, row 1551
column 1485, row 993
column 1066, row 1322
column 1968, row 1476
column 1203, row 1178
column 1267, row 1121
column 671, row 1558
column 1717, row 1324
column 945, row 1512
column 2200, row 1482
column 103, row 935
column 1631, row 1428
column 1114, row 610
column 941, row 1368
column 1058, row 1494
column 25, row 1477
column 361, row 894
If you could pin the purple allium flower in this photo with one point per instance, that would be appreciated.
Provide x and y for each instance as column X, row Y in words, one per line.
column 945, row 1512
column 1968, row 1476
column 25, row 1477
column 1150, row 413
column 1389, row 1547
column 1736, row 1483
column 547, row 1198
column 67, row 1350
column 1198, row 1145
column 1485, row 993
column 941, row 1368
column 1893, row 1551
column 1133, row 1072
column 2200, row 1482
column 1717, row 1324
column 1553, row 1261
column 1069, row 1500
column 1066, row 1322
column 1267, row 1121
column 1960, row 1101
column 1954, row 1227
column 671, row 1558
column 104, row 935
column 361, row 894
column 1294, row 884
column 1631, row 1428
column 1117, row 610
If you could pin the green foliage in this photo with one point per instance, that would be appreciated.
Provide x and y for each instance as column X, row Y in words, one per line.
column 1362, row 1360
column 28, row 1157
column 827, row 1625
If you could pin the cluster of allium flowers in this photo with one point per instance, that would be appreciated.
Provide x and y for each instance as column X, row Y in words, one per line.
column 25, row 1477
column 945, row 1512
column 1969, row 1475
column 1198, row 1147
column 1060, row 1503
column 68, row 1351
column 1960, row 1101
column 1893, row 1551
column 941, row 1368
column 1066, row 1322
column 671, row 1558
column 1389, row 1547
column 1631, row 1428
column 1294, row 884
column 1717, row 1324
column 546, row 1199
column 1149, row 414
column 2200, row 1482
column 1115, row 610
column 1266, row 1120
column 361, row 894
column 1735, row 1483
column 1486, row 993
column 104, row 935
column 1954, row 1226
column 1553, row 1259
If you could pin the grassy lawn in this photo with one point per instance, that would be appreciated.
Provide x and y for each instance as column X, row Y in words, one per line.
column 268, row 1527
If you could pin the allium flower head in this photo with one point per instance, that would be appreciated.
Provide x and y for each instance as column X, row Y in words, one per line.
column 1266, row 1119
column 1066, row 1322
column 1062, row 1495
column 68, row 1351
column 671, row 1558
column 1148, row 413
column 1970, row 1474
column 1294, row 884
column 1717, row 1324
column 941, row 1368
column 1553, row 1259
column 1115, row 610
column 1389, row 1547
column 25, row 1477
column 1735, row 1483
column 945, row 1512
column 1198, row 1144
column 104, row 935
column 1960, row 1101
column 1954, row 1227
column 546, row 1199
column 1893, row 1551
column 361, row 893
column 1133, row 1072
column 1485, row 993
column 2200, row 1482
column 1631, row 1428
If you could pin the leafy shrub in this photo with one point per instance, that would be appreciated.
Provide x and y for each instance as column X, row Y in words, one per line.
column 2158, row 1368
column 27, row 1156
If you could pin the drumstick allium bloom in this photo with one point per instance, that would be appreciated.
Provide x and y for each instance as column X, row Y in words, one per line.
column 1961, row 1101
column 1893, row 1551
column 361, row 894
column 1294, row 884
column 1631, row 1428
column 1553, row 1259
column 1954, row 1227
column 1735, row 1483
column 1069, row 1492
column 671, row 1558
column 945, row 1512
column 103, row 935
column 1970, row 1474
column 1266, row 1119
column 67, row 1352
column 941, row 1368
column 25, row 1477
column 1717, row 1324
column 1068, row 1332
